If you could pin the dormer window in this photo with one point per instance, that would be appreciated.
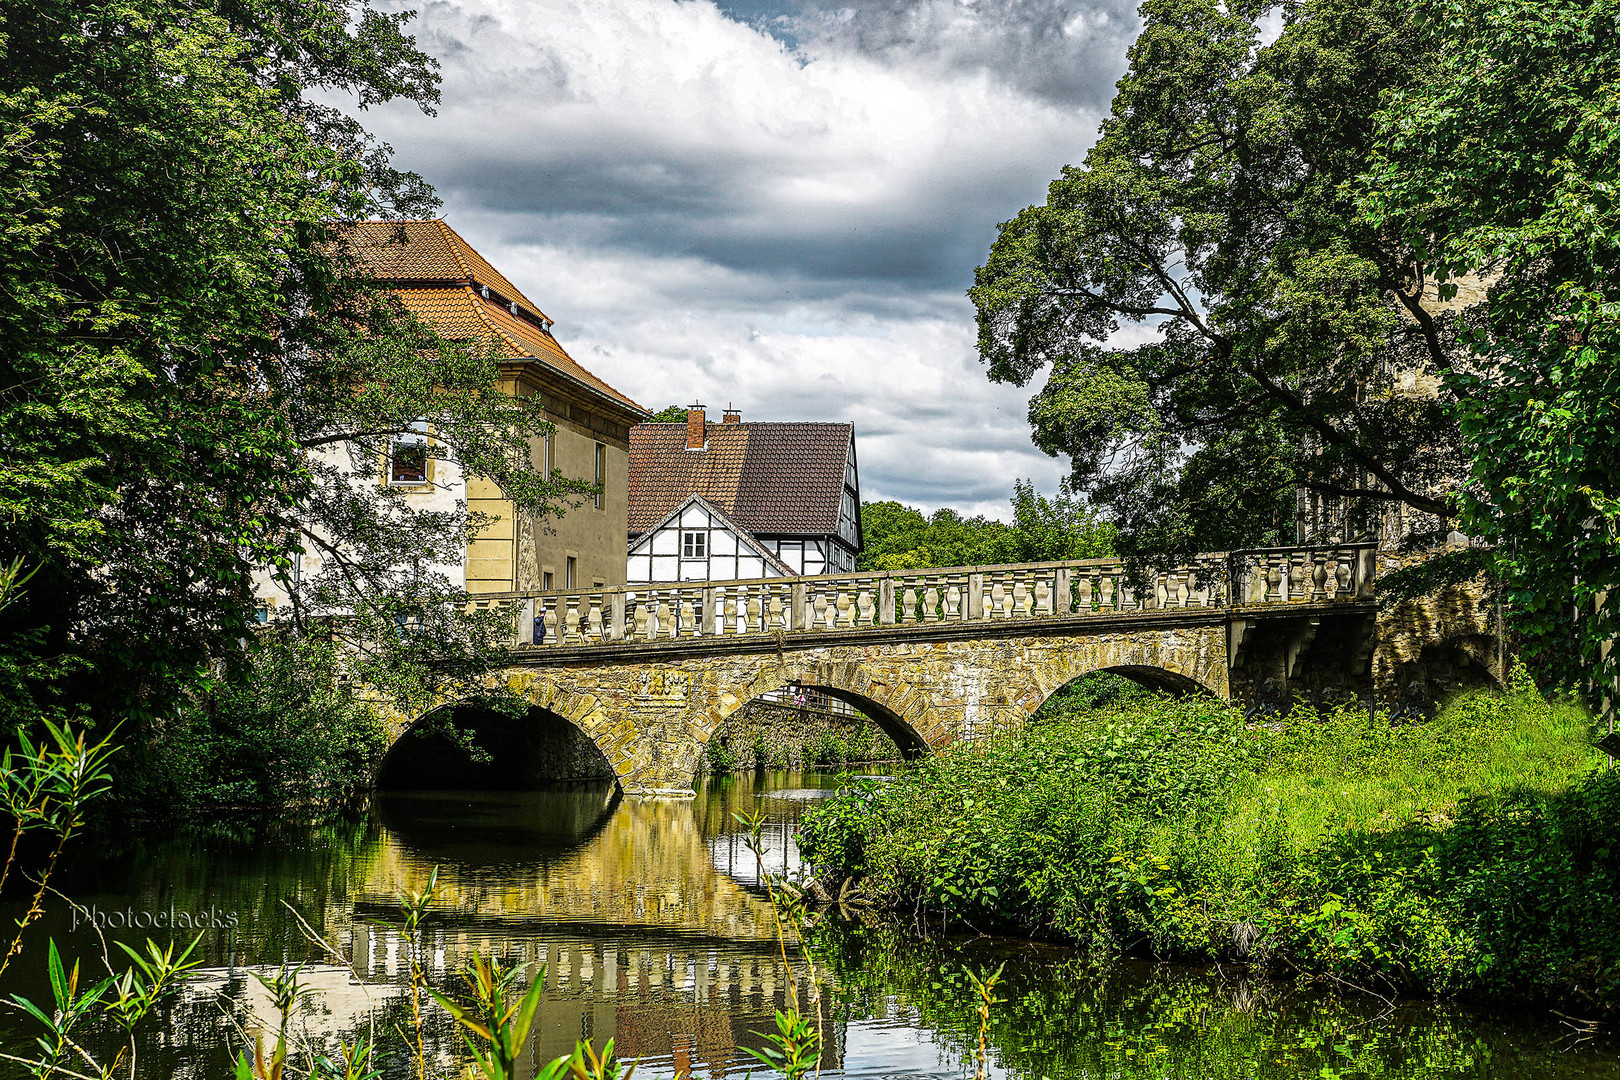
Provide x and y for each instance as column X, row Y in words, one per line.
column 407, row 455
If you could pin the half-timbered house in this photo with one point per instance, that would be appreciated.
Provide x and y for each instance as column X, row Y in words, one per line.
column 735, row 500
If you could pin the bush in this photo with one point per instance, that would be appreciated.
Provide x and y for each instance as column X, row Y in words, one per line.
column 286, row 731
column 1472, row 854
column 720, row 756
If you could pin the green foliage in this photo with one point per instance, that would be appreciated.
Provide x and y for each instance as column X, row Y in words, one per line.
column 669, row 414
column 502, row 1028
column 792, row 1049
column 900, row 538
column 287, row 730
column 1499, row 169
column 1044, row 529
column 202, row 367
column 720, row 756
column 1469, row 855
column 1217, row 210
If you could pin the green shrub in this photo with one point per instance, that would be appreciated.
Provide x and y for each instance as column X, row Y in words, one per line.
column 720, row 756
column 286, row 731
column 1473, row 854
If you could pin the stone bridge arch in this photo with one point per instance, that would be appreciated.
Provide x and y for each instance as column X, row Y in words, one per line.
column 552, row 741
column 652, row 711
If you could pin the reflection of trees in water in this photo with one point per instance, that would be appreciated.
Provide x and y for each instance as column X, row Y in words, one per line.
column 1062, row 1017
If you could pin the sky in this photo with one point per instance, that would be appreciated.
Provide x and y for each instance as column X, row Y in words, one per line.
column 772, row 204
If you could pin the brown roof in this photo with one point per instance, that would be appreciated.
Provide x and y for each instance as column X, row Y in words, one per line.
column 767, row 477
column 441, row 280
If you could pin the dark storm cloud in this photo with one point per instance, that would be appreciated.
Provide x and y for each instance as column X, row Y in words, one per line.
column 773, row 204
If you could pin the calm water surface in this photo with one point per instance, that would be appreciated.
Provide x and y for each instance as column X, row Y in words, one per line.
column 654, row 931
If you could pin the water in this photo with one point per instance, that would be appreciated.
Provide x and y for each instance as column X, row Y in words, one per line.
column 655, row 931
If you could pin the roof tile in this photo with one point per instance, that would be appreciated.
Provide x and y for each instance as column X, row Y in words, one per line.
column 437, row 275
column 767, row 477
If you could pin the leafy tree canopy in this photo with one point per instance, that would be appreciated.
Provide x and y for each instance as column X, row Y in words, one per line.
column 1219, row 324
column 197, row 380
column 1043, row 529
column 1502, row 168
column 669, row 414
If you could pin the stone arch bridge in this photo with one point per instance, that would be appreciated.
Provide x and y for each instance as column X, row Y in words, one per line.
column 649, row 673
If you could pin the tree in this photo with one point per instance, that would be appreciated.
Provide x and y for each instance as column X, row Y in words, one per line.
column 1061, row 527
column 197, row 380
column 1282, row 330
column 1501, row 168
column 900, row 538
column 1043, row 530
column 670, row 414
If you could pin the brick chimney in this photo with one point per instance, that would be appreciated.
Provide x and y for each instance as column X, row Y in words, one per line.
column 697, row 427
column 731, row 415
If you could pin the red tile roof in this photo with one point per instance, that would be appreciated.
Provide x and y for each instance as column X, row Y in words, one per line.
column 767, row 477
column 441, row 280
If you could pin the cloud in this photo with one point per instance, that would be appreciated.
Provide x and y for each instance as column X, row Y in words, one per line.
column 776, row 205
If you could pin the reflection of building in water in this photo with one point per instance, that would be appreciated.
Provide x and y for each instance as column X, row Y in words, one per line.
column 644, row 939
column 684, row 996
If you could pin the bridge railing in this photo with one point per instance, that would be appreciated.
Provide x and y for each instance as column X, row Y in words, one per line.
column 1261, row 577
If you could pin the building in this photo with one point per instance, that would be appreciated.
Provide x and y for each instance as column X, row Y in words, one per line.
column 739, row 500
column 442, row 280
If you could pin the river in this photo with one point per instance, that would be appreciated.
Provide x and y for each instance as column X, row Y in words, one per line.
column 655, row 932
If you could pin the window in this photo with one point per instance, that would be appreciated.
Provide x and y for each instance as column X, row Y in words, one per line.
column 601, row 472
column 550, row 454
column 694, row 545
column 546, row 581
column 572, row 562
column 407, row 456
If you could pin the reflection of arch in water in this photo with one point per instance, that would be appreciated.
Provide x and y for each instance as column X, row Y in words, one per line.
column 472, row 829
column 464, row 746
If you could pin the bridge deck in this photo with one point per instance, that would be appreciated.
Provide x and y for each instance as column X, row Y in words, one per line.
column 936, row 604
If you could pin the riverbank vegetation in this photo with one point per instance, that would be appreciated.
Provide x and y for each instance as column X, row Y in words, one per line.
column 1474, row 855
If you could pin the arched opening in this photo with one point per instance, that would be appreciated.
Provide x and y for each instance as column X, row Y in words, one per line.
column 467, row 747
column 1441, row 672
column 805, row 725
column 1105, row 688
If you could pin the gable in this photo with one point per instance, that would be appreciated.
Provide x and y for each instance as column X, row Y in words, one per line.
column 697, row 541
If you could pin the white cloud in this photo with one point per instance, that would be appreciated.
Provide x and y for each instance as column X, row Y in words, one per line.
column 707, row 211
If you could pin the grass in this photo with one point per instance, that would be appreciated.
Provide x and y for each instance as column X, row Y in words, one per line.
column 1347, row 769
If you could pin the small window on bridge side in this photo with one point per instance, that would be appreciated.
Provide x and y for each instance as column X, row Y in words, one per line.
column 694, row 545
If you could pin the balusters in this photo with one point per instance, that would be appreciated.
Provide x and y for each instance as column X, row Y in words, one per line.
column 641, row 633
column 953, row 599
column 593, row 624
column 820, row 620
column 571, row 626
column 776, row 611
column 866, row 608
column 846, row 610
column 1043, row 598
column 687, row 607
column 907, row 611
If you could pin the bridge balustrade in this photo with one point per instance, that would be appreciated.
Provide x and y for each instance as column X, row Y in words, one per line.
column 1253, row 578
